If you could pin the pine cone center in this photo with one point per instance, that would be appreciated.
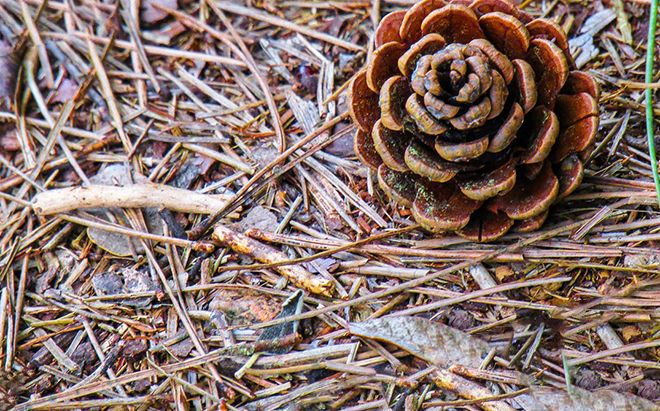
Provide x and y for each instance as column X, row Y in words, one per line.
column 454, row 84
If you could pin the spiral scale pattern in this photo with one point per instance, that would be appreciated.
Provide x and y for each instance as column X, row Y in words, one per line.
column 473, row 116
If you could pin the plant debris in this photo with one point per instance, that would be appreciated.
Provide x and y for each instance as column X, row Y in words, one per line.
column 185, row 224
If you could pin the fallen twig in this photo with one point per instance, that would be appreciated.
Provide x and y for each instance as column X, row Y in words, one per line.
column 131, row 196
column 266, row 254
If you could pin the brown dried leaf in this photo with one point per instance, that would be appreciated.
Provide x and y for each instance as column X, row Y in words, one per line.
column 631, row 333
column 649, row 389
column 118, row 244
column 503, row 273
column 245, row 306
column 65, row 91
column 434, row 342
column 182, row 348
column 12, row 386
column 548, row 399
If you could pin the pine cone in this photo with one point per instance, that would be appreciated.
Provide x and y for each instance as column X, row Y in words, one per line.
column 474, row 116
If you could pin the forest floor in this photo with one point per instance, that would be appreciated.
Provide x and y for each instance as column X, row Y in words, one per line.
column 236, row 110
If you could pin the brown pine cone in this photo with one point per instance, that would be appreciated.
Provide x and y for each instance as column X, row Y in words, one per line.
column 474, row 116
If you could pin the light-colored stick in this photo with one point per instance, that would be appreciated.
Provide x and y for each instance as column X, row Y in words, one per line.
column 130, row 196
column 263, row 253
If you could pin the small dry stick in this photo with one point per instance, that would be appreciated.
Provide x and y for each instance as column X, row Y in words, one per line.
column 266, row 254
column 469, row 390
column 130, row 196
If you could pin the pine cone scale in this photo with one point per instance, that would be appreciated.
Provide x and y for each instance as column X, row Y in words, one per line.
column 442, row 207
column 388, row 29
column 489, row 6
column 411, row 26
column 551, row 31
column 485, row 186
column 456, row 23
column 507, row 33
column 570, row 176
column 384, row 64
column 364, row 105
column 391, row 146
column 496, row 57
column 401, row 187
column 551, row 68
column 543, row 134
column 421, row 161
column 508, row 130
column 527, row 200
column 462, row 151
column 427, row 45
column 393, row 92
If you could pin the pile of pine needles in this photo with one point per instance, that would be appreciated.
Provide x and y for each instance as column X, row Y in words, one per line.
column 184, row 224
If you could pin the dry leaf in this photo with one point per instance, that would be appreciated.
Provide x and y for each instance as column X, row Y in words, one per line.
column 134, row 350
column 550, row 399
column 125, row 281
column 503, row 273
column 245, row 306
column 152, row 14
column 108, row 283
column 118, row 244
column 181, row 349
column 164, row 34
column 342, row 147
column 649, row 389
column 631, row 333
column 259, row 218
column 65, row 91
column 9, row 69
column 8, row 139
column 434, row 342
column 291, row 306
column 12, row 386
column 588, row 379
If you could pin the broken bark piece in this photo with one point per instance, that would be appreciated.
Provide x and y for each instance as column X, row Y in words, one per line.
column 9, row 70
column 263, row 253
